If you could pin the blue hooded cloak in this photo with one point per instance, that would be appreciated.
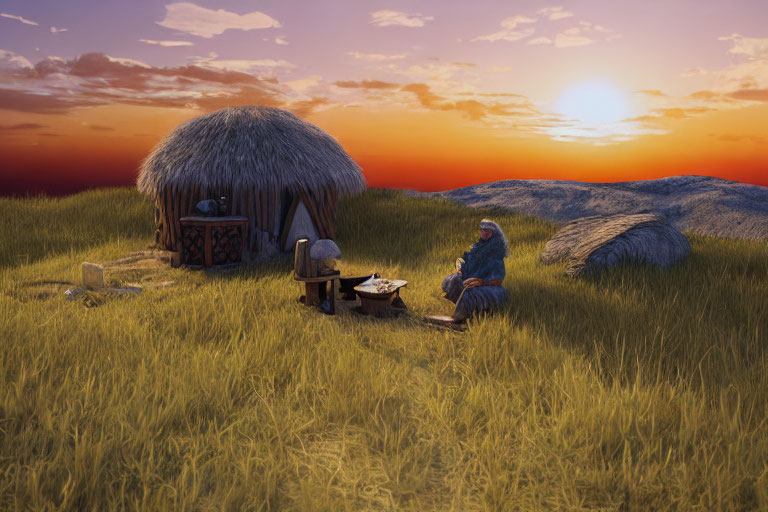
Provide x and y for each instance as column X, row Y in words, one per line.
column 484, row 260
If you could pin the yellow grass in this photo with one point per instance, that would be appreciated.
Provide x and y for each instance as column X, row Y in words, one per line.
column 645, row 389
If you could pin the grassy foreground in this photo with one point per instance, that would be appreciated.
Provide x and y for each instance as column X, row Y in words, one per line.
column 645, row 389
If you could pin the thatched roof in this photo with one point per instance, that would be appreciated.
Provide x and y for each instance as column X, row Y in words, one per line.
column 252, row 146
column 593, row 243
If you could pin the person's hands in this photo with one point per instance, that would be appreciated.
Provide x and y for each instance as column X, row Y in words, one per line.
column 473, row 282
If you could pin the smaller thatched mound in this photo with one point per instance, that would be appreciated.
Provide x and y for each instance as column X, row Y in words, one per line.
column 594, row 243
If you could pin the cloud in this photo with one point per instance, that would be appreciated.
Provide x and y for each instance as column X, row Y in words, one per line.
column 585, row 34
column 377, row 57
column 18, row 18
column 303, row 84
column 166, row 43
column 540, row 40
column 554, row 13
column 567, row 40
column 386, row 18
column 509, row 33
column 680, row 113
column 752, row 47
column 750, row 94
column 55, row 30
column 757, row 139
column 199, row 21
column 36, row 103
column 505, row 35
column 55, row 86
column 23, row 126
column 281, row 41
column 651, row 92
column 101, row 128
column 243, row 66
column 365, row 84
column 10, row 60
column 473, row 109
column 303, row 108
column 693, row 72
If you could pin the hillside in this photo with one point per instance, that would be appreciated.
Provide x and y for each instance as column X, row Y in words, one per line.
column 644, row 389
column 695, row 204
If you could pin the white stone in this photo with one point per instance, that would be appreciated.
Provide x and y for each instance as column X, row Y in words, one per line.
column 93, row 276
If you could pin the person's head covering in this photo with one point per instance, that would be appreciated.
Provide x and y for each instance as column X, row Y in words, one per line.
column 497, row 233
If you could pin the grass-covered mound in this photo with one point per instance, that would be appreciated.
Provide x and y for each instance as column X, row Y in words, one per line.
column 645, row 389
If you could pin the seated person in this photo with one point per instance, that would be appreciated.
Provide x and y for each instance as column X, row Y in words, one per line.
column 479, row 274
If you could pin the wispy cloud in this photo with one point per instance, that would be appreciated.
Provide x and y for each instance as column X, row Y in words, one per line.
column 303, row 84
column 510, row 30
column 554, row 13
column 365, row 84
column 281, row 41
column 10, row 60
column 23, row 126
column 57, row 86
column 18, row 18
column 377, row 57
column 752, row 47
column 55, row 30
column 199, row 21
column 540, row 40
column 585, row 33
column 243, row 66
column 387, row 18
column 166, row 43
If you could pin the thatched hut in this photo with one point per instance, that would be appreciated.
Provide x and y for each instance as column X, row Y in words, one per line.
column 593, row 243
column 285, row 174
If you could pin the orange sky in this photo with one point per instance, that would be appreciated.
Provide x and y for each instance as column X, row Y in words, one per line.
column 399, row 149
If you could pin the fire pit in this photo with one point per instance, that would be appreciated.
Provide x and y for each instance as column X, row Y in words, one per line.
column 377, row 294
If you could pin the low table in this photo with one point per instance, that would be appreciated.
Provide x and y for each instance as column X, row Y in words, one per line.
column 374, row 302
column 212, row 241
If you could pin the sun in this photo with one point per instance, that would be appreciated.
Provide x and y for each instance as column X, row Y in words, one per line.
column 593, row 103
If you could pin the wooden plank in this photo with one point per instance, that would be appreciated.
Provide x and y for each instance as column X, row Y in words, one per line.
column 271, row 205
column 251, row 214
column 323, row 214
column 176, row 217
column 263, row 207
column 327, row 211
column 168, row 218
column 288, row 222
column 183, row 203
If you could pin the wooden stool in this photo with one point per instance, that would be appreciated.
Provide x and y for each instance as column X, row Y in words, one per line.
column 312, row 289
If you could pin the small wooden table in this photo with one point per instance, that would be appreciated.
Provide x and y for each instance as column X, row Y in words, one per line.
column 376, row 303
column 212, row 241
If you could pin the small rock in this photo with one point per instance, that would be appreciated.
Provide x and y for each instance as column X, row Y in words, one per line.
column 73, row 293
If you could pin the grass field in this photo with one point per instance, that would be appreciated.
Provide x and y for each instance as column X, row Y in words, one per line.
column 645, row 389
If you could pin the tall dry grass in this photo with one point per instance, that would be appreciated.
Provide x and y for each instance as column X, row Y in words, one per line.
column 645, row 389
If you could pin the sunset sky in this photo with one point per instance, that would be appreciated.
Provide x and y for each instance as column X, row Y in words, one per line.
column 422, row 94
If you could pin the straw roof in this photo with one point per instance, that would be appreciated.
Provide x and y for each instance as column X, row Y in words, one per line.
column 251, row 146
column 593, row 243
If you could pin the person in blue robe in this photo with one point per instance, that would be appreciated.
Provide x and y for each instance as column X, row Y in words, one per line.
column 476, row 284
